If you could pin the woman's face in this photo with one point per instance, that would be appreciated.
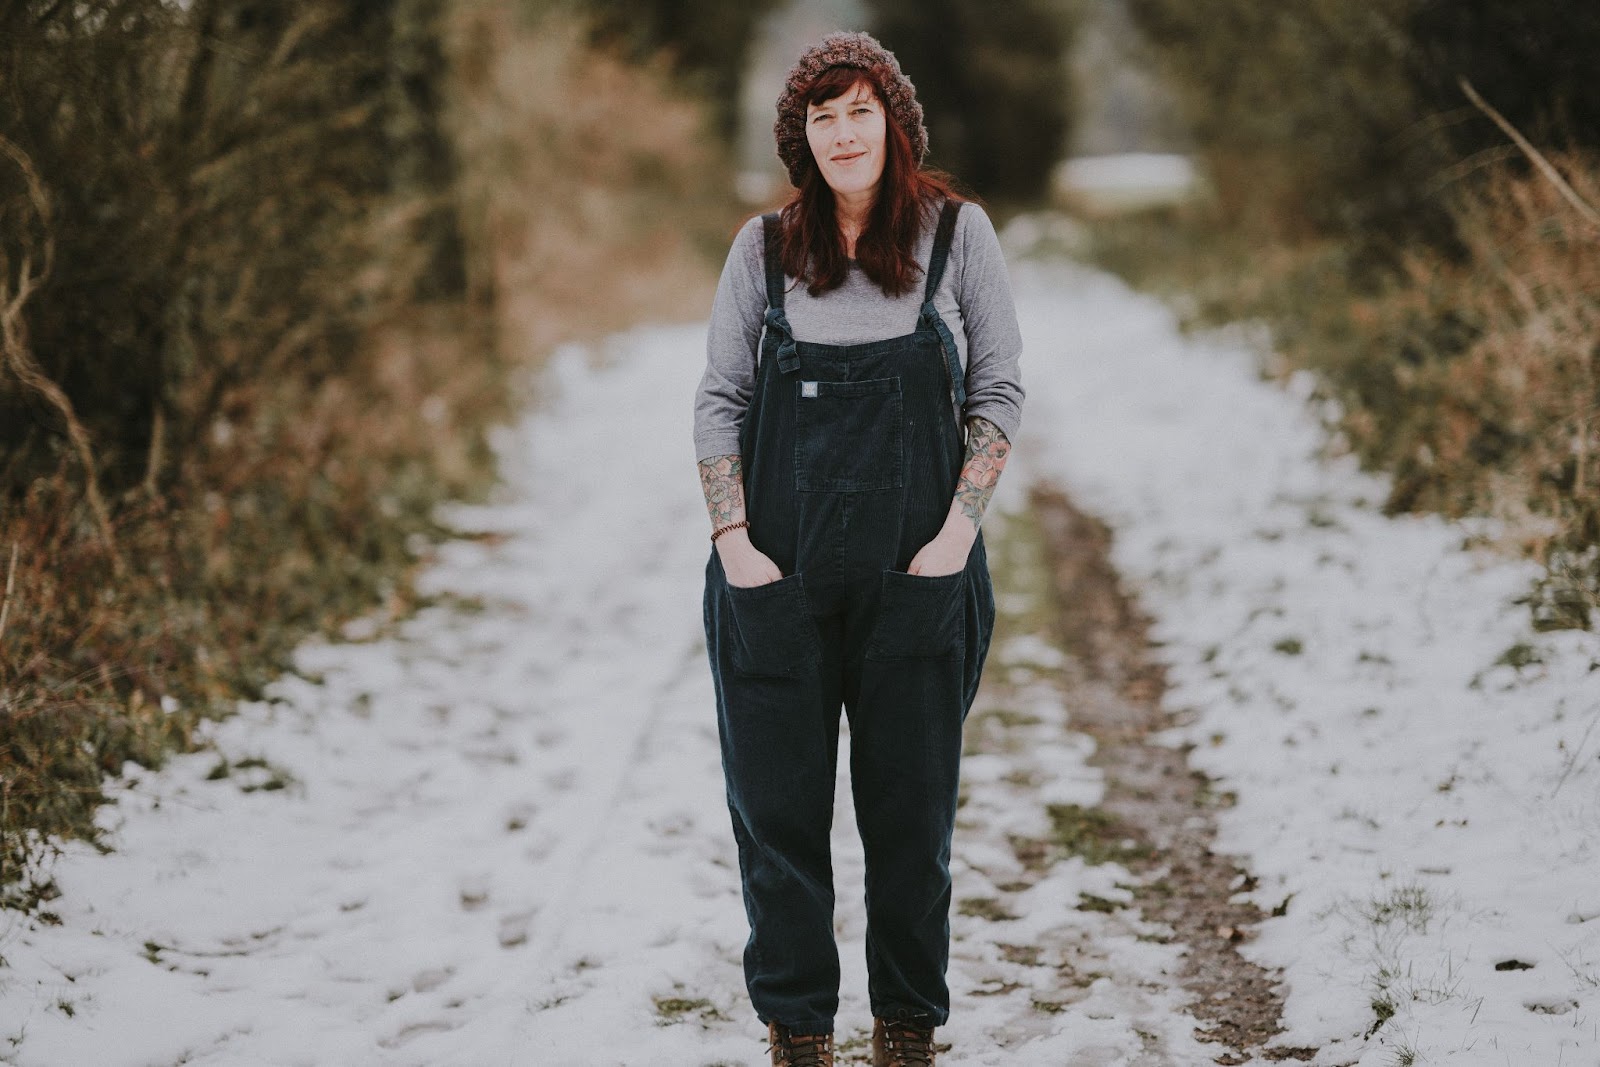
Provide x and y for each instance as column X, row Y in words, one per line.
column 847, row 139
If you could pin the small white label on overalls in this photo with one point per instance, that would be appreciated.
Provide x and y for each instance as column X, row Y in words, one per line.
column 808, row 388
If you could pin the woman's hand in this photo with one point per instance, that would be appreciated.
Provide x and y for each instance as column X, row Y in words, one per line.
column 947, row 552
column 743, row 563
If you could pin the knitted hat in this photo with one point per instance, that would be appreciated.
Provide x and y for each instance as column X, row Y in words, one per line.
column 844, row 50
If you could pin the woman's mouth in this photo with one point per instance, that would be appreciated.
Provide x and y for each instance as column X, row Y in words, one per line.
column 851, row 158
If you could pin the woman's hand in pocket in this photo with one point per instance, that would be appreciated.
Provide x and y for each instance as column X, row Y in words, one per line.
column 743, row 563
column 947, row 552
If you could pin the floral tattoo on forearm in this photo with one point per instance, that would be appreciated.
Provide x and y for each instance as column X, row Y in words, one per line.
column 722, row 480
column 987, row 449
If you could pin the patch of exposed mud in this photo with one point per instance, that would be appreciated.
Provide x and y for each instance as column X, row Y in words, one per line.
column 1158, row 813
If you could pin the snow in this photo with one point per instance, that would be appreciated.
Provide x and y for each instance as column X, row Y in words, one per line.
column 503, row 838
column 1129, row 170
column 1426, row 809
column 1126, row 180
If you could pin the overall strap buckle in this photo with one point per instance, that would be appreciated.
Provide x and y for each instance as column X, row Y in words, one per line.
column 778, row 329
column 932, row 320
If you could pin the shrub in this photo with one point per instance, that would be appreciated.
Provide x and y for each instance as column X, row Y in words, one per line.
column 303, row 254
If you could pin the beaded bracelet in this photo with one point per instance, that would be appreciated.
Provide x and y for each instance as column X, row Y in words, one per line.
column 731, row 526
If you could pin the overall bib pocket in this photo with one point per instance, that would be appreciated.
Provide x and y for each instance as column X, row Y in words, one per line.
column 773, row 632
column 919, row 617
column 847, row 436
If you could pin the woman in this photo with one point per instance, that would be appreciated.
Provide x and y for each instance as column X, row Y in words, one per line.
column 851, row 337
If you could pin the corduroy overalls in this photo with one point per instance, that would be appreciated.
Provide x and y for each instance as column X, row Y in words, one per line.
column 851, row 455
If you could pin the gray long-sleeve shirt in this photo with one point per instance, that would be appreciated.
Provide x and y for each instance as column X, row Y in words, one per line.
column 974, row 299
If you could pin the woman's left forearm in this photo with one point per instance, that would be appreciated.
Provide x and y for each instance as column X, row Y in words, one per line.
column 987, row 450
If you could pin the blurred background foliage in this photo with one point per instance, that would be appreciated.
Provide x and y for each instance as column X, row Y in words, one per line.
column 1330, row 116
column 707, row 43
column 994, row 86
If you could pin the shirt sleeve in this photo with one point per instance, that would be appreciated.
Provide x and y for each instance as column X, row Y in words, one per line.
column 989, row 316
column 731, row 346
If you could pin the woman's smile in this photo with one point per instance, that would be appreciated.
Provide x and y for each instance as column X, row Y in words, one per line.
column 846, row 135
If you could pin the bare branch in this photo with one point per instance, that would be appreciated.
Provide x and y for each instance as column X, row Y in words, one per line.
column 15, row 353
column 153, row 461
column 5, row 600
column 1545, row 167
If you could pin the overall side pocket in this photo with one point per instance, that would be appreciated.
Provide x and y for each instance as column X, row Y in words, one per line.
column 773, row 631
column 919, row 617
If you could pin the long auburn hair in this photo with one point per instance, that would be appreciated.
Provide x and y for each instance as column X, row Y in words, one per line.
column 813, row 247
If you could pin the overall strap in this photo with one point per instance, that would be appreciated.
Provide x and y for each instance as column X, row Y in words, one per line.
column 776, row 322
column 943, row 238
column 930, row 318
column 772, row 255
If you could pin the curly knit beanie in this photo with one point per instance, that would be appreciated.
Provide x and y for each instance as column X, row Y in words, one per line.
column 859, row 50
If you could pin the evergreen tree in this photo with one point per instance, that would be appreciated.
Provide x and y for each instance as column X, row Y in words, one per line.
column 992, row 79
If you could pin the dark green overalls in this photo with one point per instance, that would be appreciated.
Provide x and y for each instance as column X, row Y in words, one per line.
column 851, row 455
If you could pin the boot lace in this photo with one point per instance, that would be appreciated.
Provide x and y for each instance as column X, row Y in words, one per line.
column 804, row 1050
column 908, row 1045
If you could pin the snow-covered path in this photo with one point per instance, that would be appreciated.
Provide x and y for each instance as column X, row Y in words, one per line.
column 503, row 839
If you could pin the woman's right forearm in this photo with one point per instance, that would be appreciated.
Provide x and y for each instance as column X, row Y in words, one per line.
column 722, row 478
column 722, row 481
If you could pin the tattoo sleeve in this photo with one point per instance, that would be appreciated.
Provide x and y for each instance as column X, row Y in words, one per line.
column 722, row 480
column 987, row 449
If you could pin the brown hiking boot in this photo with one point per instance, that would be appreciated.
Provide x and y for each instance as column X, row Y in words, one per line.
column 799, row 1050
column 901, row 1044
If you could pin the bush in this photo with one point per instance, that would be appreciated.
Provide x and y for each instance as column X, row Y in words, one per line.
column 235, row 191
column 302, row 255
column 1495, row 399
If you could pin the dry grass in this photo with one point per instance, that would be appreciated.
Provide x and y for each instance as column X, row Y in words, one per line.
column 596, row 198
column 1519, row 398
column 1508, row 424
